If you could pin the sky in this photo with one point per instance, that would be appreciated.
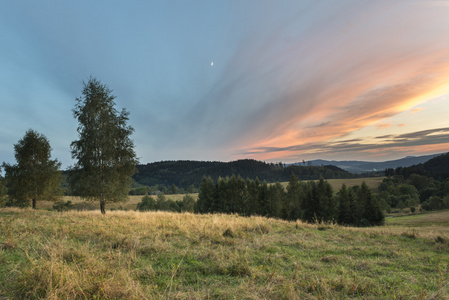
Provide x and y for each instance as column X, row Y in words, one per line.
column 225, row 80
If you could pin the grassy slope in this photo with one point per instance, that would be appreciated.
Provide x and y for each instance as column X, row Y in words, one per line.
column 53, row 255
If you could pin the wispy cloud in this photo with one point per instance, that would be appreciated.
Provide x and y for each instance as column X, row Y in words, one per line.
column 304, row 95
column 407, row 143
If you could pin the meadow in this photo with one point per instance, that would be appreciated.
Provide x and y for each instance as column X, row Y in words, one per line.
column 161, row 255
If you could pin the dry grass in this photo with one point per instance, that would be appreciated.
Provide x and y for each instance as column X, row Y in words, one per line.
column 371, row 182
column 131, row 204
column 153, row 255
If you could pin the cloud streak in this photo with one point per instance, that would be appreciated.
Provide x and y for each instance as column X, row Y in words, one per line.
column 291, row 80
column 334, row 77
column 435, row 139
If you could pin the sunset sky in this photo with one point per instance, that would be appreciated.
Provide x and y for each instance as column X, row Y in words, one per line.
column 224, row 80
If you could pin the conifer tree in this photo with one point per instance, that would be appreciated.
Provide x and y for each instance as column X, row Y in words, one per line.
column 205, row 196
column 345, row 215
column 252, row 187
column 294, row 199
column 275, row 199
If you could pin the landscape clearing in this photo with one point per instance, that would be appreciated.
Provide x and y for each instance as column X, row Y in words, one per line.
column 133, row 255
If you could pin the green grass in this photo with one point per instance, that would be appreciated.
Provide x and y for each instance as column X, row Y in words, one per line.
column 429, row 219
column 132, row 255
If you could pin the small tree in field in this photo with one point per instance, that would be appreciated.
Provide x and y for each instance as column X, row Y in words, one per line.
column 35, row 176
column 105, row 153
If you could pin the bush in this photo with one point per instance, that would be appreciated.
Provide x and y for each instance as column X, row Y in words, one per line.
column 147, row 203
column 434, row 203
column 62, row 206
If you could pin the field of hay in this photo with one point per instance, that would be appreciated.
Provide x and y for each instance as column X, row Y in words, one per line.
column 371, row 182
column 154, row 255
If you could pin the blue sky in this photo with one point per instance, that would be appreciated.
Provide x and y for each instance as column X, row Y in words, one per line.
column 290, row 80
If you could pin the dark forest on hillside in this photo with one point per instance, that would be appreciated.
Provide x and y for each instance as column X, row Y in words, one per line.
column 185, row 173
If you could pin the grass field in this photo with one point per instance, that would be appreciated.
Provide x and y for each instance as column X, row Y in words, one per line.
column 371, row 182
column 132, row 255
column 131, row 204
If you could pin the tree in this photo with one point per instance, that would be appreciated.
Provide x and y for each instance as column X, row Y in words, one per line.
column 345, row 213
column 188, row 203
column 294, row 199
column 205, row 195
column 35, row 177
column 105, row 153
column 147, row 203
column 371, row 214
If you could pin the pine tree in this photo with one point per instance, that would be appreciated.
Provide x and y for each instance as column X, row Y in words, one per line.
column 294, row 199
column 205, row 196
column 344, row 206
column 35, row 176
column 104, row 151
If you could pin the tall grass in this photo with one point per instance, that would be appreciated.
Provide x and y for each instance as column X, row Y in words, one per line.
column 153, row 255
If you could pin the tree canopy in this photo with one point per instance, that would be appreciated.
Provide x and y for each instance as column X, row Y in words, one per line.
column 104, row 151
column 35, row 176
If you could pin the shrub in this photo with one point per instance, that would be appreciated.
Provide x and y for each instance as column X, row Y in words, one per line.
column 147, row 203
column 62, row 206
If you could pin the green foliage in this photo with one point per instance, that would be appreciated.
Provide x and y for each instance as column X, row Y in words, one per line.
column 35, row 177
column 185, row 173
column 141, row 190
column 63, row 206
column 104, row 151
column 161, row 202
column 311, row 201
column 147, row 203
column 291, row 208
column 434, row 203
column 205, row 195
column 371, row 214
column 188, row 204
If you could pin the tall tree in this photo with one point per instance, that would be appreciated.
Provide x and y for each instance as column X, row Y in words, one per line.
column 294, row 199
column 205, row 196
column 104, row 152
column 35, row 176
column 345, row 213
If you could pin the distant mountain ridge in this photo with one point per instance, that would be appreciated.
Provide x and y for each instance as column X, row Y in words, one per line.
column 358, row 167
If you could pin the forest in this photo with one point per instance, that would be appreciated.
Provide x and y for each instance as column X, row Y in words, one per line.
column 186, row 173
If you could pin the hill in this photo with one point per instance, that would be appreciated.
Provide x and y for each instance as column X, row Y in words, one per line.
column 358, row 167
column 437, row 167
column 185, row 173
column 156, row 255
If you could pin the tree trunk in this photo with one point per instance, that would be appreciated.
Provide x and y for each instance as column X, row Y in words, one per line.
column 34, row 203
column 102, row 206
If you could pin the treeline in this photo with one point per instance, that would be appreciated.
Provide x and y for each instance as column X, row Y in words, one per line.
column 183, row 174
column 308, row 201
column 424, row 184
column 416, row 190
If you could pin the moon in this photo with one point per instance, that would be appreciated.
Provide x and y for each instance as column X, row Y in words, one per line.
column 211, row 63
